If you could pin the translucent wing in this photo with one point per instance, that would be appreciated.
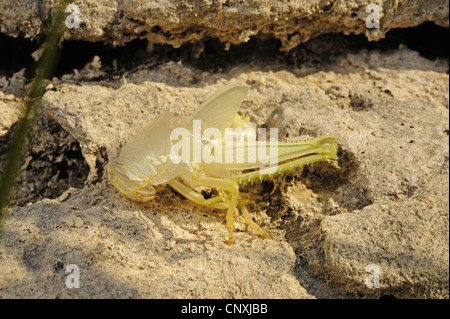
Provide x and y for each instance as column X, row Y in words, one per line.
column 221, row 108
column 147, row 152
column 219, row 111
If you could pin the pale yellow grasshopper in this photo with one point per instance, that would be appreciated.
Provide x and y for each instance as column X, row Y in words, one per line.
column 153, row 158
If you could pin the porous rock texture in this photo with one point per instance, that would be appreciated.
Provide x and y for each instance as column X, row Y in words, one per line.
column 175, row 22
column 382, row 201
column 10, row 108
column 372, row 222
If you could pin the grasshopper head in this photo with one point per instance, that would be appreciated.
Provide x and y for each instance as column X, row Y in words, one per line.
column 144, row 161
column 128, row 184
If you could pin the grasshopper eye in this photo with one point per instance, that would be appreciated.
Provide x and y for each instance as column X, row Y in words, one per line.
column 116, row 170
column 121, row 173
column 116, row 175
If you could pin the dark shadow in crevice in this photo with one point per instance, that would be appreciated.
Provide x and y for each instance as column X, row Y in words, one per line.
column 15, row 54
column 53, row 163
column 211, row 55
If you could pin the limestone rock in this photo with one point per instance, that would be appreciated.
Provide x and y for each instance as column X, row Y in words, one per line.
column 383, row 201
column 10, row 108
column 231, row 21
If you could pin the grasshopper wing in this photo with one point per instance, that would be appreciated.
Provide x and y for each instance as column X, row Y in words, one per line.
column 221, row 108
column 147, row 152
column 219, row 111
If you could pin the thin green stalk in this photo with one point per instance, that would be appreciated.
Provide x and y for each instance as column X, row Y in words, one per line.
column 19, row 143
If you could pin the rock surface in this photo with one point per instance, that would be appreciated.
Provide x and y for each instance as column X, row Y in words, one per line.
column 10, row 108
column 231, row 21
column 383, row 201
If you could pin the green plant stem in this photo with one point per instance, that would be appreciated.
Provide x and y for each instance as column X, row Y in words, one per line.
column 19, row 143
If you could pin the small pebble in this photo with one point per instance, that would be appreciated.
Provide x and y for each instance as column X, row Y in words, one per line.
column 79, row 222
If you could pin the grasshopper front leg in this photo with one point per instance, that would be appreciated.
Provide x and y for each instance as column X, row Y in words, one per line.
column 229, row 186
column 189, row 193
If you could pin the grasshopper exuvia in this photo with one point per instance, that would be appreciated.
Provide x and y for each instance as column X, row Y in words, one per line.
column 149, row 158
